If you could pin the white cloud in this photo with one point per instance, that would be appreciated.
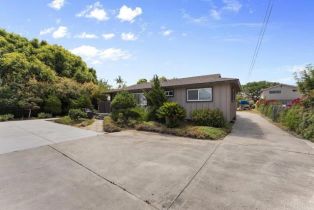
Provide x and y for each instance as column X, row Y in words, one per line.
column 95, row 11
column 215, row 14
column 232, row 5
column 196, row 20
column 95, row 56
column 86, row 51
column 46, row 31
column 167, row 32
column 228, row 6
column 128, row 37
column 56, row 4
column 114, row 54
column 127, row 14
column 61, row 32
column 85, row 35
column 108, row 36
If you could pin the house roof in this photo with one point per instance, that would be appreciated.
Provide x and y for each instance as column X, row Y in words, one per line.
column 213, row 78
column 278, row 86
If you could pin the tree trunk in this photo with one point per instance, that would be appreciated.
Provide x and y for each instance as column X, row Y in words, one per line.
column 29, row 113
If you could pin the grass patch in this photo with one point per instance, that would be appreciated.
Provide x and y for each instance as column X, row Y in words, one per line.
column 198, row 132
column 110, row 126
column 66, row 120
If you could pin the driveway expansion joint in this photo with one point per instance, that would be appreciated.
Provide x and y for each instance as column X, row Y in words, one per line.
column 102, row 177
column 196, row 173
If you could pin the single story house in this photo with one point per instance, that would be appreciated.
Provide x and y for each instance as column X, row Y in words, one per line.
column 200, row 92
column 282, row 92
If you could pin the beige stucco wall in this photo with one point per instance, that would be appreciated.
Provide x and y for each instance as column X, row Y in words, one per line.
column 287, row 93
column 221, row 100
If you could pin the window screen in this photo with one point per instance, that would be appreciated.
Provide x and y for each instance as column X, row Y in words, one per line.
column 201, row 94
column 205, row 94
column 192, row 95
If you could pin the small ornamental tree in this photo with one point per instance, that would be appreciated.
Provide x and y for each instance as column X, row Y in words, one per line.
column 155, row 98
column 122, row 105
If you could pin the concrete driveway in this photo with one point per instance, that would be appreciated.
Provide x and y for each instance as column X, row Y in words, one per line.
column 20, row 135
column 258, row 166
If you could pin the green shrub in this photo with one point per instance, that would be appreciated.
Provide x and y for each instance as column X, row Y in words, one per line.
column 82, row 102
column 306, row 127
column 171, row 113
column 122, row 107
column 123, row 100
column 292, row 118
column 109, row 126
column 66, row 120
column 6, row 117
column 53, row 105
column 207, row 117
column 139, row 113
column 76, row 114
column 43, row 115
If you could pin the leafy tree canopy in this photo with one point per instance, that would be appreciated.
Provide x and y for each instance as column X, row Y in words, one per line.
column 253, row 90
column 142, row 81
column 32, row 71
column 305, row 80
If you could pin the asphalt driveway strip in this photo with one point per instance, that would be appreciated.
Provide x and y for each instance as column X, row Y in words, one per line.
column 258, row 166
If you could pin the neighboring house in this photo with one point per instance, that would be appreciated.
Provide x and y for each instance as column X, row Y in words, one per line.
column 282, row 92
column 209, row 91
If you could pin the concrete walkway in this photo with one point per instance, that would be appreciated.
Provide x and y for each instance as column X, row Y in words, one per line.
column 258, row 166
column 20, row 135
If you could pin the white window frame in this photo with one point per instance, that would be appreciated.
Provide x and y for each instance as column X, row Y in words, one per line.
column 198, row 89
column 169, row 91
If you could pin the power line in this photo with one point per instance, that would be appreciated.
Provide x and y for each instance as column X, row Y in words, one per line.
column 261, row 36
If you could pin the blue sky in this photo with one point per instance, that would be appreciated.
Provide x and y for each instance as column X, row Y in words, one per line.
column 173, row 38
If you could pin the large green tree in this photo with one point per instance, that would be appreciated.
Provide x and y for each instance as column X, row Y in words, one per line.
column 31, row 71
column 253, row 90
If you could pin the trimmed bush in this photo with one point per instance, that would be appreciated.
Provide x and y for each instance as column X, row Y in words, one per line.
column 171, row 113
column 43, row 115
column 122, row 108
column 53, row 105
column 109, row 126
column 76, row 114
column 207, row 117
column 6, row 117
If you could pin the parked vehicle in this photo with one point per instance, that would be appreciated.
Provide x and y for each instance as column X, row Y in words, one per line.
column 244, row 105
